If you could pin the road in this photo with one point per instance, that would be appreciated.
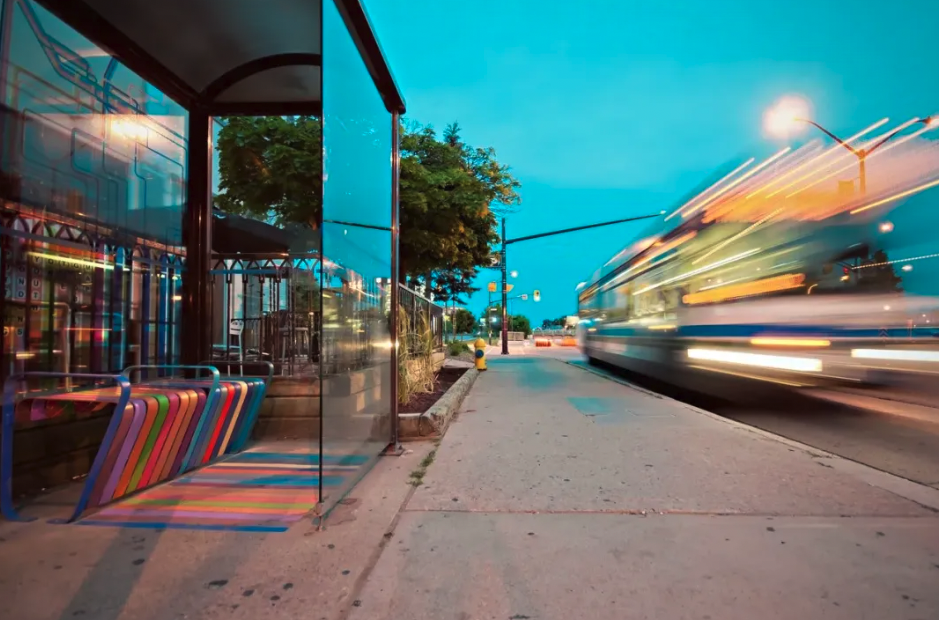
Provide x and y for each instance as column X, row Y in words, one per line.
column 866, row 433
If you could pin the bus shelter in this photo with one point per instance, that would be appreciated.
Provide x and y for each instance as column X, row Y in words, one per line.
column 113, row 256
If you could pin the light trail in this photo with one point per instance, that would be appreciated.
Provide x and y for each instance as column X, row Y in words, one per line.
column 820, row 156
column 738, row 181
column 721, row 180
column 871, row 156
column 898, row 196
column 699, row 270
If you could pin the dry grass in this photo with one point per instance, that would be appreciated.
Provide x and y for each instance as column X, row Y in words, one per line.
column 415, row 356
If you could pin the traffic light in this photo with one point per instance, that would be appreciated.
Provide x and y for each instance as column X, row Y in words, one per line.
column 537, row 295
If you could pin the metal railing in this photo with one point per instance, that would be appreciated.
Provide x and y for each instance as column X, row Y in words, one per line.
column 418, row 307
column 541, row 332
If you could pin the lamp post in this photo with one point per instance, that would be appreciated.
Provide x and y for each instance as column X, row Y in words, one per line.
column 506, row 242
column 863, row 153
column 790, row 110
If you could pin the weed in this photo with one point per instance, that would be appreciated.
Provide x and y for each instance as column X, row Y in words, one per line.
column 454, row 349
column 429, row 459
column 417, row 476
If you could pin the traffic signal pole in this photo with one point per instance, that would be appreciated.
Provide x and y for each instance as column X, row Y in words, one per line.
column 505, row 312
column 504, row 260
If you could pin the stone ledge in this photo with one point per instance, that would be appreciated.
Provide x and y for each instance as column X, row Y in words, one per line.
column 434, row 421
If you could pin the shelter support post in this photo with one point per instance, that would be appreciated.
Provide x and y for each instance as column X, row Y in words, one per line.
column 197, row 237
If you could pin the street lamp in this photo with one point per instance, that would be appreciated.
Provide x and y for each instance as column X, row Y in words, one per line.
column 782, row 120
column 779, row 120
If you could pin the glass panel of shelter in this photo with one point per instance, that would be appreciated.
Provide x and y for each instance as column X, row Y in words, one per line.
column 92, row 190
column 356, row 278
column 93, row 178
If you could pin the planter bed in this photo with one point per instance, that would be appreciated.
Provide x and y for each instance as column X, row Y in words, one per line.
column 420, row 403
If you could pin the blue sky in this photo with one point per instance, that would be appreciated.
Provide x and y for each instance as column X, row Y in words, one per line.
column 608, row 109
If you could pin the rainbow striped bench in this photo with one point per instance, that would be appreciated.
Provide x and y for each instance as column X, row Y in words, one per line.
column 159, row 429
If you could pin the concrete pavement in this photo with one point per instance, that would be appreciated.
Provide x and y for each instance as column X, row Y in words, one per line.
column 560, row 494
column 50, row 571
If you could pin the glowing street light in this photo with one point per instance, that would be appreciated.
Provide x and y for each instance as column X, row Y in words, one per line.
column 514, row 274
column 785, row 118
column 789, row 113
column 886, row 227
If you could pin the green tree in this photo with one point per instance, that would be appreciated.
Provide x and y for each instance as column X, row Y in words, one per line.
column 464, row 320
column 520, row 323
column 451, row 286
column 877, row 275
column 447, row 188
column 554, row 323
column 270, row 168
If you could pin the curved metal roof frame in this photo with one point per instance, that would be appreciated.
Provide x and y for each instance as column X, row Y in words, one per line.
column 228, row 57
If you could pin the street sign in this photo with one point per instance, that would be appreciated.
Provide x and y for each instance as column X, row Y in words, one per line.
column 492, row 287
column 509, row 287
column 495, row 259
column 537, row 295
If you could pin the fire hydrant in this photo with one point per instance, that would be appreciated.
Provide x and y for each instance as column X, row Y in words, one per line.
column 480, row 345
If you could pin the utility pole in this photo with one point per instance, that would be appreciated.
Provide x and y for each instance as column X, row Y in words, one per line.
column 488, row 319
column 505, row 312
column 505, row 242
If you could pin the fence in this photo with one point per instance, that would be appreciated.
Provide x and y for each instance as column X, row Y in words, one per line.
column 416, row 305
column 272, row 309
column 539, row 332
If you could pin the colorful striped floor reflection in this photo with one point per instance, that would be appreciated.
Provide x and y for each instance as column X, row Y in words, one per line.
column 265, row 489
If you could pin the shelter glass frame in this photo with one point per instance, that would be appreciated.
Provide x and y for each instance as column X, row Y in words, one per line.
column 124, row 198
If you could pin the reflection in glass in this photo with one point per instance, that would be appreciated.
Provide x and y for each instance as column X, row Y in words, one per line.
column 93, row 178
column 92, row 185
column 356, row 373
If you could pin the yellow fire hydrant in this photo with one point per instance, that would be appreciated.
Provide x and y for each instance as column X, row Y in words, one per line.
column 480, row 345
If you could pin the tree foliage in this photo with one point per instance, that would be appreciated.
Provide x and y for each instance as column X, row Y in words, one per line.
column 446, row 190
column 452, row 286
column 465, row 321
column 877, row 275
column 520, row 323
column 554, row 323
column 271, row 170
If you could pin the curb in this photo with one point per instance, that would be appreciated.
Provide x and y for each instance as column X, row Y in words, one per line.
column 921, row 494
column 435, row 421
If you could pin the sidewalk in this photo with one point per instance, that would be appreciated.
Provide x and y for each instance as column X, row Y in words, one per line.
column 68, row 572
column 560, row 494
